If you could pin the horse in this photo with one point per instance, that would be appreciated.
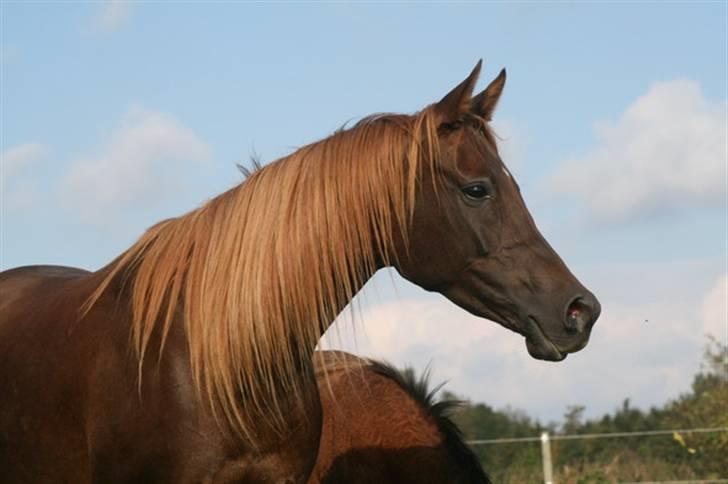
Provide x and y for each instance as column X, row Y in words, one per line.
column 187, row 358
column 383, row 425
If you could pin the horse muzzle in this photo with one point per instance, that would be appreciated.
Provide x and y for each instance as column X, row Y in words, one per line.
column 568, row 336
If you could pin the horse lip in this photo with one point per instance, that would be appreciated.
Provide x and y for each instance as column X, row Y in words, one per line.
column 538, row 345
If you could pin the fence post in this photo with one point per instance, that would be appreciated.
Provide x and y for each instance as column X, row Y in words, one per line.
column 548, row 473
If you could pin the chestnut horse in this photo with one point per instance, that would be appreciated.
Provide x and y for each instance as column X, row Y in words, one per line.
column 382, row 425
column 188, row 357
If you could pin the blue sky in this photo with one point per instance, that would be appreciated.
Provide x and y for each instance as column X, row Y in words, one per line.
column 116, row 115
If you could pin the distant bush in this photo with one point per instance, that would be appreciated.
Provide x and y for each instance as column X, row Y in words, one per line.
column 677, row 457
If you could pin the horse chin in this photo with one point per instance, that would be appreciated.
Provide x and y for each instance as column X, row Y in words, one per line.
column 538, row 345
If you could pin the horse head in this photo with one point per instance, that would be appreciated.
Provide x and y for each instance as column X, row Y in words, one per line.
column 472, row 238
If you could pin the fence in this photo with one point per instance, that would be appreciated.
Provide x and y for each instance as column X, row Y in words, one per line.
column 546, row 439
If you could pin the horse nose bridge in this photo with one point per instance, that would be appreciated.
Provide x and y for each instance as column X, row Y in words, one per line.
column 544, row 256
column 545, row 277
column 553, row 274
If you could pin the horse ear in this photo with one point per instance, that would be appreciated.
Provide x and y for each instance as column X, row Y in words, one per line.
column 457, row 102
column 484, row 103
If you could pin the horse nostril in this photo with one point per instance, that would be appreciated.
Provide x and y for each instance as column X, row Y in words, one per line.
column 579, row 315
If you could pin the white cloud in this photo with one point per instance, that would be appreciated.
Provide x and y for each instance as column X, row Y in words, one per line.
column 666, row 152
column 647, row 349
column 138, row 166
column 715, row 309
column 112, row 14
column 19, row 157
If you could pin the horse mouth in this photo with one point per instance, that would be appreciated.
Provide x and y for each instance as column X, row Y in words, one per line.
column 538, row 345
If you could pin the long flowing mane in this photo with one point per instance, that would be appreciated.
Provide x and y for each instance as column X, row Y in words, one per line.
column 257, row 273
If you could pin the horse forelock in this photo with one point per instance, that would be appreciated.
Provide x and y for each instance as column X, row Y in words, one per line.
column 258, row 272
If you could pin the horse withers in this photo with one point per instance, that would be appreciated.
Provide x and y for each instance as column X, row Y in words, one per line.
column 383, row 425
column 188, row 357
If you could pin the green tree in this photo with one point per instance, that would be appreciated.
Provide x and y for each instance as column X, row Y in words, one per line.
column 680, row 457
column 705, row 407
column 573, row 419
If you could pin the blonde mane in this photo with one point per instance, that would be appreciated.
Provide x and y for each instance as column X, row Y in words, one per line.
column 258, row 273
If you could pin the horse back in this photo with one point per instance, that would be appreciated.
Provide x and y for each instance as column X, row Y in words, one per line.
column 381, row 425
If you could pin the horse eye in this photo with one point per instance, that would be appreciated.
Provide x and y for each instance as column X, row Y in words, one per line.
column 477, row 192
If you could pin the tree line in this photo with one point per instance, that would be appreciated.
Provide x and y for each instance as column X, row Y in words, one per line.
column 680, row 456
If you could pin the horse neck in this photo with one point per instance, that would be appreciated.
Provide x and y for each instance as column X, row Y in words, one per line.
column 256, row 275
column 134, row 274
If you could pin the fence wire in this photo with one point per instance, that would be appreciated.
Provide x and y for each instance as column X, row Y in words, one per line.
column 545, row 439
column 607, row 435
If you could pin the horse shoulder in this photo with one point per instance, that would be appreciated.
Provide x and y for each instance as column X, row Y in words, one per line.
column 39, row 398
column 72, row 379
